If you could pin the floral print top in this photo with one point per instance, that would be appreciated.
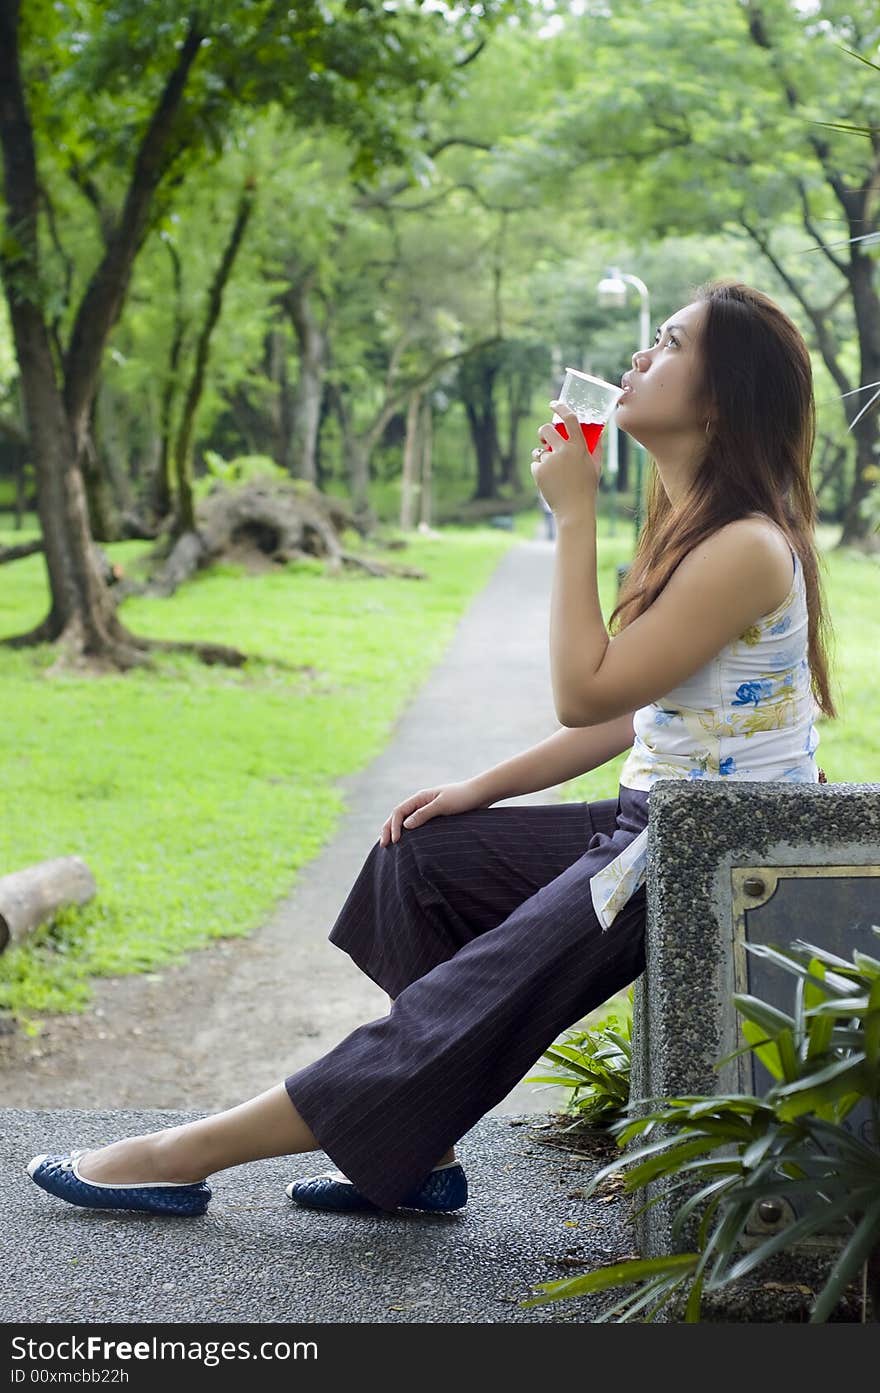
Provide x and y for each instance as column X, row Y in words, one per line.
column 747, row 715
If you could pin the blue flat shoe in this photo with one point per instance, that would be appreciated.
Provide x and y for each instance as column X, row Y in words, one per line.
column 58, row 1175
column 445, row 1189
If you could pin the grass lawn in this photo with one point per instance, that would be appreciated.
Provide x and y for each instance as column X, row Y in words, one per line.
column 195, row 794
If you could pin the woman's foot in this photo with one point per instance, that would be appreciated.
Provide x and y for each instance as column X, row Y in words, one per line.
column 145, row 1160
column 443, row 1190
column 59, row 1176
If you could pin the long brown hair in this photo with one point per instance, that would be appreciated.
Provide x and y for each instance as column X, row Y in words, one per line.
column 758, row 385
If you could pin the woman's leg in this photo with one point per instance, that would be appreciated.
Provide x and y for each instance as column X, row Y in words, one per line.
column 450, row 1154
column 484, row 870
column 418, row 901
column 268, row 1125
column 482, row 928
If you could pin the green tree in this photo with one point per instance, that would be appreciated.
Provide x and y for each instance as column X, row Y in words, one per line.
column 735, row 141
column 133, row 98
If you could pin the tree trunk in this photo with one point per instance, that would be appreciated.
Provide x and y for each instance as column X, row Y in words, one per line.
column 82, row 610
column 281, row 404
column 102, row 303
column 106, row 485
column 322, row 471
column 19, row 496
column 477, row 387
column 358, row 467
column 299, row 457
column 856, row 195
column 163, row 495
column 425, row 498
column 519, row 394
column 410, row 479
column 112, row 438
column 185, row 520
column 356, row 450
column 859, row 530
column 485, row 440
column 103, row 516
column 831, row 467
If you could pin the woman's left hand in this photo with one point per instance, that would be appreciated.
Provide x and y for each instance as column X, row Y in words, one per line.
column 566, row 473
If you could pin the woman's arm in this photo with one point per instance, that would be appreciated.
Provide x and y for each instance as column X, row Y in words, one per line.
column 563, row 755
column 726, row 584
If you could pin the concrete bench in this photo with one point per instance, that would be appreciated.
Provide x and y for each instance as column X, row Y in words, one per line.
column 730, row 863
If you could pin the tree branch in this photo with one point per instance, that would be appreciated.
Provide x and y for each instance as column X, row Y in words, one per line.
column 102, row 303
column 759, row 34
column 474, row 53
column 90, row 191
column 816, row 317
column 419, row 383
column 817, row 237
column 383, row 196
column 197, row 381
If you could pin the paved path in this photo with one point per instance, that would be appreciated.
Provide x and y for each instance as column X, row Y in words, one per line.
column 255, row 1256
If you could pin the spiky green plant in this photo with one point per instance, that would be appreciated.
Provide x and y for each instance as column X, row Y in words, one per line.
column 595, row 1064
column 730, row 1152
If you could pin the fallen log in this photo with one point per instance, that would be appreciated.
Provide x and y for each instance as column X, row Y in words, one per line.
column 29, row 897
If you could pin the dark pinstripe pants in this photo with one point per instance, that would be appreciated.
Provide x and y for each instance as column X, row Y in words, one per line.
column 481, row 927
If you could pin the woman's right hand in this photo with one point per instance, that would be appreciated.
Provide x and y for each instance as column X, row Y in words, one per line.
column 443, row 800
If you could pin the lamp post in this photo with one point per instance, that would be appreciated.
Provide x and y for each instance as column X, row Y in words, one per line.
column 611, row 292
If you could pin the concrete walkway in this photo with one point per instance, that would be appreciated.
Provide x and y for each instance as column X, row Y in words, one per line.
column 256, row 1257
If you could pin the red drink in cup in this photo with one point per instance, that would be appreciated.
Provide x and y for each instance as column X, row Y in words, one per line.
column 591, row 430
column 592, row 400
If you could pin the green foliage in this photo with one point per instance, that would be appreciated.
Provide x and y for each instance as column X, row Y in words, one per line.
column 728, row 1153
column 240, row 470
column 360, row 68
column 595, row 1063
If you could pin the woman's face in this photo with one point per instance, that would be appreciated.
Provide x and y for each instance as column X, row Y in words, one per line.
column 662, row 405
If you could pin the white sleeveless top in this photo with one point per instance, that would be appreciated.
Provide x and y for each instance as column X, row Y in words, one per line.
column 747, row 715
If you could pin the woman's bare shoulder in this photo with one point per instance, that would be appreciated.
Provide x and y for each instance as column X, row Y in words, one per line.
column 756, row 530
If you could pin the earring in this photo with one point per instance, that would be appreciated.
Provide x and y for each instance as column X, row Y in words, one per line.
column 708, row 428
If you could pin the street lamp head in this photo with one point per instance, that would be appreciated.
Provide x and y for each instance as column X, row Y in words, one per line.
column 611, row 290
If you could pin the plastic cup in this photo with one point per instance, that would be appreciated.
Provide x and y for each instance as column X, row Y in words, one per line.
column 592, row 400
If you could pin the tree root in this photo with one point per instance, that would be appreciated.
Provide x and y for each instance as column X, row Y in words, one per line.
column 121, row 651
column 379, row 568
column 211, row 654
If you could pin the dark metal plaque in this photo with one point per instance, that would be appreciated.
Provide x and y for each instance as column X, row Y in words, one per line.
column 832, row 907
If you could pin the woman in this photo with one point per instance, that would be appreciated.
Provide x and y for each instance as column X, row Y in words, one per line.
column 495, row 929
